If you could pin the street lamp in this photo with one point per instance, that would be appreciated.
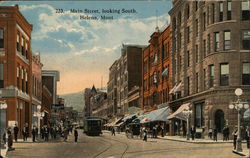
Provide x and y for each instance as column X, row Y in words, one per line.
column 238, row 105
column 187, row 112
column 39, row 115
column 3, row 106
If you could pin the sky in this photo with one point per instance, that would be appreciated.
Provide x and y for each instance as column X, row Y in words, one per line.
column 83, row 50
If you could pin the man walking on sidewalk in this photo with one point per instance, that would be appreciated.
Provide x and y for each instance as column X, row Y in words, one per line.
column 16, row 130
column 76, row 134
column 34, row 134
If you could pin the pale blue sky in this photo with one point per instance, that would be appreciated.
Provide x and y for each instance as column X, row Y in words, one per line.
column 83, row 50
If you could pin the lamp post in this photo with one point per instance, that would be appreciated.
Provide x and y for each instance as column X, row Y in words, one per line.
column 3, row 106
column 188, row 112
column 39, row 115
column 238, row 105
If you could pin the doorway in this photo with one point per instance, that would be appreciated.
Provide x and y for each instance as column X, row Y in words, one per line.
column 219, row 120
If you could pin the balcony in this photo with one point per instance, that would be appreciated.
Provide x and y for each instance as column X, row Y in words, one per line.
column 13, row 92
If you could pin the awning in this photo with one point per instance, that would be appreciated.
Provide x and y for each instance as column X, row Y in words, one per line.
column 179, row 112
column 156, row 115
column 115, row 122
column 130, row 117
column 165, row 72
column 172, row 90
column 119, row 124
column 178, row 88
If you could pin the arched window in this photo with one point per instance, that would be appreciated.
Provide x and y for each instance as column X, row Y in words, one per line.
column 174, row 24
column 1, row 38
column 179, row 18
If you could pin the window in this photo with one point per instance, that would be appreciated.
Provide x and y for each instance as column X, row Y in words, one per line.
column 199, row 115
column 196, row 82
column 155, row 58
column 179, row 19
column 17, row 43
column 245, row 10
column 204, row 79
column 196, row 27
column 212, row 20
column 17, row 74
column 246, row 39
column 188, row 86
column 196, row 54
column 174, row 24
column 229, row 10
column 188, row 58
column 224, row 74
column 211, row 80
column 1, row 75
column 204, row 48
column 22, row 44
column 204, row 21
column 227, row 40
column 145, row 67
column 196, row 5
column 174, row 44
column 26, row 50
column 208, row 17
column 187, row 11
column 26, row 80
column 180, row 64
column 1, row 38
column 179, row 41
column 188, row 36
column 208, row 43
column 246, row 74
column 221, row 11
column 155, row 77
column 216, row 41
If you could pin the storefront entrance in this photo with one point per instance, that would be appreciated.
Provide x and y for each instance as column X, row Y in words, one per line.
column 219, row 120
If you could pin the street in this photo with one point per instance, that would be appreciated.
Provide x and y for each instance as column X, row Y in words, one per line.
column 107, row 146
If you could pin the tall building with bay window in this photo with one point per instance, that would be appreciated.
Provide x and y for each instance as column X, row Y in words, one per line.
column 156, row 70
column 15, row 67
column 210, row 59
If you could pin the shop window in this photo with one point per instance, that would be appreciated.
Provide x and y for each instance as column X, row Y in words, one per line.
column 1, row 75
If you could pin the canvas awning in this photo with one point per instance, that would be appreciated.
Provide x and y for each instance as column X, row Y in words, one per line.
column 172, row 90
column 179, row 112
column 119, row 124
column 133, row 116
column 156, row 115
column 178, row 88
column 165, row 72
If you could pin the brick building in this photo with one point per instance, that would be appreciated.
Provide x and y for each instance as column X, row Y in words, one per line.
column 128, row 73
column 156, row 73
column 211, row 58
column 88, row 93
column 36, row 86
column 15, row 66
column 47, row 101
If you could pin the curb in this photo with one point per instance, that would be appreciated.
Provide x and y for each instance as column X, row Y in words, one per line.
column 193, row 142
column 239, row 153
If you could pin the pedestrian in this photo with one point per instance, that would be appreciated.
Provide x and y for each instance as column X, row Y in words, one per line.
column 10, row 140
column 26, row 131
column 33, row 132
column 247, row 137
column 76, row 134
column 46, row 133
column 145, row 134
column 65, row 134
column 235, row 134
column 215, row 134
column 113, row 131
column 210, row 133
column 192, row 131
column 16, row 130
column 224, row 133
column 227, row 133
column 42, row 132
column 162, row 130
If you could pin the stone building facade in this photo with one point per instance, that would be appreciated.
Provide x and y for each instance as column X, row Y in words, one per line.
column 156, row 70
column 15, row 67
column 210, row 58
column 129, row 74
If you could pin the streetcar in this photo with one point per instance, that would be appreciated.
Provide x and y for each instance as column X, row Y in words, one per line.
column 93, row 126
